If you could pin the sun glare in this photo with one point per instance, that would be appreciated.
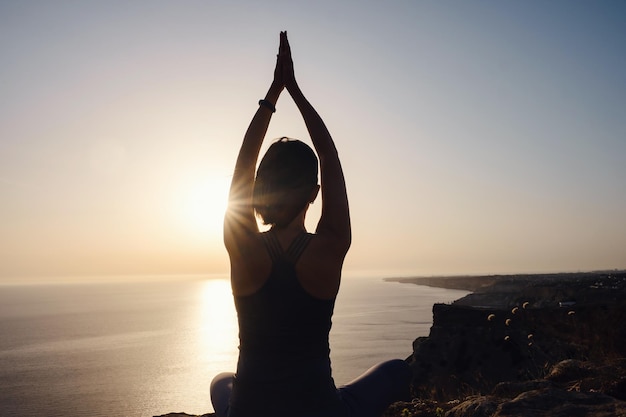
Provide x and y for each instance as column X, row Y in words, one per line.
column 201, row 208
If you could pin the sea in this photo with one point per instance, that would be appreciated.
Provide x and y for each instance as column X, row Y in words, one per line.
column 147, row 348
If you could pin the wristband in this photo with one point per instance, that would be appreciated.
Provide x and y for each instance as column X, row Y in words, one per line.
column 268, row 105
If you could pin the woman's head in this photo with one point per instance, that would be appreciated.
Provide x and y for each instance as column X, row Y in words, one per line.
column 285, row 181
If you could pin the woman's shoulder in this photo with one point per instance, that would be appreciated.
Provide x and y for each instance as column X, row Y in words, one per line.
column 330, row 245
column 250, row 264
column 319, row 269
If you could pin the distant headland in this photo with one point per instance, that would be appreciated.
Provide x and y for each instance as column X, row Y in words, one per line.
column 477, row 282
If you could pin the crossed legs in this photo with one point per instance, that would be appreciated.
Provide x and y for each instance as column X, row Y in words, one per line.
column 367, row 396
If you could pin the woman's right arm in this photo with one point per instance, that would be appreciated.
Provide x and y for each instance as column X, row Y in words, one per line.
column 239, row 222
column 335, row 218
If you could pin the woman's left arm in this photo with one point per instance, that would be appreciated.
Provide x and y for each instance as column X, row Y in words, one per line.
column 335, row 217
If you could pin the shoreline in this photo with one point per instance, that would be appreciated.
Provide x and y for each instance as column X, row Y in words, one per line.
column 477, row 283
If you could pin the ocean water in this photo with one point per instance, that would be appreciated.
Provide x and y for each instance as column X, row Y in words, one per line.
column 148, row 348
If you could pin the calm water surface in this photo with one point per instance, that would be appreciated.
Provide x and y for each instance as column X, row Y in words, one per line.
column 144, row 349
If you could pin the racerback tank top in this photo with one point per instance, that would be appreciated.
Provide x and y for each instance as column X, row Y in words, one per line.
column 284, row 362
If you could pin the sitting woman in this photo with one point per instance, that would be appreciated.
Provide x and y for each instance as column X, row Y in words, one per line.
column 285, row 281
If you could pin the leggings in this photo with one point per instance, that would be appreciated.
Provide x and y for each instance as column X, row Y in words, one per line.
column 367, row 396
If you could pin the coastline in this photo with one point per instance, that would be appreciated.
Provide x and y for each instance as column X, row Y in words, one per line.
column 477, row 283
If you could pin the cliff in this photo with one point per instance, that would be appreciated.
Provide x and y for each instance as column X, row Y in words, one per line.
column 549, row 345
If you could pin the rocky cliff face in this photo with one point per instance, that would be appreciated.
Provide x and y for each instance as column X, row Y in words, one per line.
column 571, row 389
column 470, row 350
column 525, row 343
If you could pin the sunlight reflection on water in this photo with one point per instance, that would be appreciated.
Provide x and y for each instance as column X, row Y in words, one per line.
column 210, row 347
column 218, row 330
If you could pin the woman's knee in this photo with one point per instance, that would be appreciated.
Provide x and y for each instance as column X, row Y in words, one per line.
column 395, row 369
column 398, row 368
column 221, row 387
column 225, row 378
column 371, row 393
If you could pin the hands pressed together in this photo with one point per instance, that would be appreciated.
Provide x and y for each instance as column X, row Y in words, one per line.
column 283, row 73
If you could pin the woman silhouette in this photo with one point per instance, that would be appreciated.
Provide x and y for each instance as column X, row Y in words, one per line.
column 285, row 281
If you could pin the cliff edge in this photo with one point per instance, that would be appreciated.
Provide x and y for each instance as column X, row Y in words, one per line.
column 540, row 345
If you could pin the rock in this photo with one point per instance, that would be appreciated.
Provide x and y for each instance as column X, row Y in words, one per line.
column 541, row 398
column 554, row 402
column 546, row 402
column 513, row 389
column 569, row 370
column 477, row 406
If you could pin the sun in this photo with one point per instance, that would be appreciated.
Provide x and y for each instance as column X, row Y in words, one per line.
column 201, row 206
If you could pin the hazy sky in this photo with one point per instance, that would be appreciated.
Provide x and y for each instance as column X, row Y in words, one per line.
column 476, row 136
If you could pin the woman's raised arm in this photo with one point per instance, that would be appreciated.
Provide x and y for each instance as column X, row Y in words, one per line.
column 239, row 221
column 335, row 218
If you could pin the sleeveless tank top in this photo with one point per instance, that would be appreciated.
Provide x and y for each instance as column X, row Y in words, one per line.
column 284, row 365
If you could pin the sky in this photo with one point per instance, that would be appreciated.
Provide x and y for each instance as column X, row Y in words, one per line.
column 476, row 137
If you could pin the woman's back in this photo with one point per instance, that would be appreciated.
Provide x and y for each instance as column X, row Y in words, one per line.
column 284, row 350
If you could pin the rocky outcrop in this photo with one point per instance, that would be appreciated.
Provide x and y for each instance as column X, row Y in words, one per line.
column 572, row 388
column 471, row 349
column 538, row 347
